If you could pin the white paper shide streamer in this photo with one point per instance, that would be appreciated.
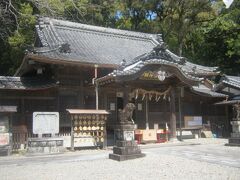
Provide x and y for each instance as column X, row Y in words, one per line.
column 228, row 3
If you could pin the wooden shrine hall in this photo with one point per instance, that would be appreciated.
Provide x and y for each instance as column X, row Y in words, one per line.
column 158, row 81
column 78, row 66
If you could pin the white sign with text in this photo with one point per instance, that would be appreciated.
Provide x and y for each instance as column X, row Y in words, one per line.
column 45, row 122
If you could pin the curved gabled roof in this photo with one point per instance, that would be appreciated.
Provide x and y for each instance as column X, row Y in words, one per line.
column 161, row 58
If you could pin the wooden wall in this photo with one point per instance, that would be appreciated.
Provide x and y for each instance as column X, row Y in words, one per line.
column 76, row 90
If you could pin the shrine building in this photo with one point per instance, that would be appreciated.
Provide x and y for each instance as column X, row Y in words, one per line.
column 78, row 66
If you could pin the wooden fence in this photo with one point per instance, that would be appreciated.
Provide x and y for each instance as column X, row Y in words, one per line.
column 19, row 140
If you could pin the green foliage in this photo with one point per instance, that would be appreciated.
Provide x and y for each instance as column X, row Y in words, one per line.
column 14, row 42
column 218, row 42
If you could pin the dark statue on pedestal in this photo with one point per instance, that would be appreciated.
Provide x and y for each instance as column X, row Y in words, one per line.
column 125, row 115
column 236, row 111
column 126, row 148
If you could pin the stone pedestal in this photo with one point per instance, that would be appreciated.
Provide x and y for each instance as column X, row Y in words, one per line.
column 45, row 146
column 235, row 136
column 5, row 150
column 126, row 148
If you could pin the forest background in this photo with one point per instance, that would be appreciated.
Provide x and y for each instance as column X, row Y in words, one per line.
column 204, row 31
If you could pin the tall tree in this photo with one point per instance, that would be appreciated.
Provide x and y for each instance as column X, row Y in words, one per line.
column 97, row 12
column 180, row 17
column 217, row 43
column 16, row 33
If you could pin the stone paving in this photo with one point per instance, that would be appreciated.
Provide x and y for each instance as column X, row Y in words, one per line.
column 209, row 160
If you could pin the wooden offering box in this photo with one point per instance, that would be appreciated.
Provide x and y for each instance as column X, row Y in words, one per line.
column 88, row 127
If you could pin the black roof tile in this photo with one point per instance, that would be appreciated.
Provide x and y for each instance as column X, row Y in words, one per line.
column 92, row 44
column 26, row 83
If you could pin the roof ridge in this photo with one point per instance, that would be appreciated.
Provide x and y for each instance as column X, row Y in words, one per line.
column 9, row 77
column 70, row 24
column 234, row 78
column 206, row 68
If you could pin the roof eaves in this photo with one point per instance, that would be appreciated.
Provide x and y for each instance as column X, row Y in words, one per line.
column 232, row 84
column 134, row 68
column 25, row 83
column 51, row 60
column 207, row 92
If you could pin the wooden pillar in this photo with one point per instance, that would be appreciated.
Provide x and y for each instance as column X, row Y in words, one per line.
column 147, row 111
column 105, row 126
column 125, row 96
column 96, row 85
column 96, row 90
column 227, row 122
column 72, row 132
column 105, row 101
column 180, row 115
column 81, row 97
column 172, row 115
column 23, row 120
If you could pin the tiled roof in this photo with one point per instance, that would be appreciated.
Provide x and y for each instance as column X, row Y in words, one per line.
column 25, row 83
column 8, row 109
column 232, row 81
column 203, row 90
column 234, row 100
column 86, row 111
column 228, row 81
column 82, row 43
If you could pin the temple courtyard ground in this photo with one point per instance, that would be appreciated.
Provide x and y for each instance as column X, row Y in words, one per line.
column 192, row 159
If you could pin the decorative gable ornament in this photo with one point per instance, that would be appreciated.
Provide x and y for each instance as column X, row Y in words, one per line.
column 65, row 48
column 161, row 75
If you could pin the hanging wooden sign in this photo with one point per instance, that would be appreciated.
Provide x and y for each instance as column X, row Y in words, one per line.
column 149, row 75
column 158, row 75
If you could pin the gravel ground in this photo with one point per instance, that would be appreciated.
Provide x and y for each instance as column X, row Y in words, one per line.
column 153, row 166
column 208, row 141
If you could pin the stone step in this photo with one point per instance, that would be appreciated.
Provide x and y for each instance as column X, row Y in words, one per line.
column 234, row 140
column 125, row 143
column 126, row 150
column 118, row 157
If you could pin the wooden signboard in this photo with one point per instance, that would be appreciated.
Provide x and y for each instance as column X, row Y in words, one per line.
column 4, row 139
column 88, row 127
column 193, row 121
column 45, row 122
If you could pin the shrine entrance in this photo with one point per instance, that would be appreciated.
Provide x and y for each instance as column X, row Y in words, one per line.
column 155, row 82
column 154, row 98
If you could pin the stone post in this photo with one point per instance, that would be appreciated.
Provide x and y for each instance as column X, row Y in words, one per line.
column 234, row 140
column 173, row 116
